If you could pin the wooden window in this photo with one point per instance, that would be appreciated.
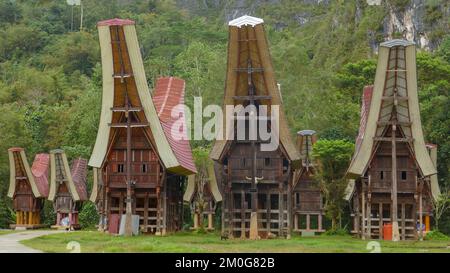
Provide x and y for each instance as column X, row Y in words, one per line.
column 404, row 175
column 285, row 165
column 382, row 175
column 243, row 162
column 267, row 161
column 144, row 168
column 120, row 168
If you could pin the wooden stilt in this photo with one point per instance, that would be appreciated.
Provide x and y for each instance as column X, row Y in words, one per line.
column 369, row 220
column 243, row 214
column 146, row 201
column 403, row 205
column 380, row 221
column 320, row 221
column 308, row 222
column 296, row 222
column 231, row 214
column 357, row 216
column 289, row 209
column 280, row 210
column 363, row 210
column 420, row 215
column 414, row 217
column 224, row 203
column 268, row 217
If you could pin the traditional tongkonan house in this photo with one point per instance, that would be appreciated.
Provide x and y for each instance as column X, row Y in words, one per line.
column 391, row 187
column 255, row 177
column 203, row 194
column 139, row 164
column 308, row 204
column 28, row 187
column 67, row 188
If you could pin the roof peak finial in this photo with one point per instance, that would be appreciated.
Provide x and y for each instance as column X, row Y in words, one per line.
column 246, row 20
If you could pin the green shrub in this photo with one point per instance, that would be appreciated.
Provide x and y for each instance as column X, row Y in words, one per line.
column 436, row 235
column 48, row 215
column 88, row 216
column 336, row 232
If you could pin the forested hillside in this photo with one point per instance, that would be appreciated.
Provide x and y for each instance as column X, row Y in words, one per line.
column 324, row 52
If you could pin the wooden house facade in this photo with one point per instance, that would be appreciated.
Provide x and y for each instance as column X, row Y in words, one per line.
column 28, row 187
column 139, row 164
column 255, row 183
column 203, row 201
column 307, row 209
column 67, row 188
column 391, row 185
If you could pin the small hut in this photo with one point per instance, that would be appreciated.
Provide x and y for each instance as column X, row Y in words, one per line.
column 28, row 187
column 202, row 194
column 308, row 204
column 140, row 165
column 391, row 174
column 67, row 188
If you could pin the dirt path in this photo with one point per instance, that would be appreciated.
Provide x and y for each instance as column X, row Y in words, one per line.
column 10, row 243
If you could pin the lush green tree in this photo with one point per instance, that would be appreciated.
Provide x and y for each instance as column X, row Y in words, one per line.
column 9, row 11
column 333, row 158
column 75, row 51
column 202, row 161
column 20, row 41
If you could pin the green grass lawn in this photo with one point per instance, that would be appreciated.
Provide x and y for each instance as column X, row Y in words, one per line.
column 6, row 231
column 93, row 241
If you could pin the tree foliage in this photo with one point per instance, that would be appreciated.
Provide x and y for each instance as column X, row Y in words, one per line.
column 333, row 158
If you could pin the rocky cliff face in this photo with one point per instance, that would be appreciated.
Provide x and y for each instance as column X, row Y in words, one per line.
column 415, row 21
column 421, row 21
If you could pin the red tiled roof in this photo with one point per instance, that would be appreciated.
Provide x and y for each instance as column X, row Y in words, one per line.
column 169, row 92
column 79, row 171
column 365, row 107
column 39, row 169
column 115, row 22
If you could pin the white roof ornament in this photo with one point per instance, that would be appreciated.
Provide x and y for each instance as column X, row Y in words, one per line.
column 73, row 2
column 397, row 42
column 246, row 21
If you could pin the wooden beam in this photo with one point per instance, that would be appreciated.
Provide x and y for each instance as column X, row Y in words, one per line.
column 385, row 123
column 121, row 76
column 389, row 98
column 245, row 98
column 250, row 70
column 125, row 109
column 393, row 139
column 125, row 125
